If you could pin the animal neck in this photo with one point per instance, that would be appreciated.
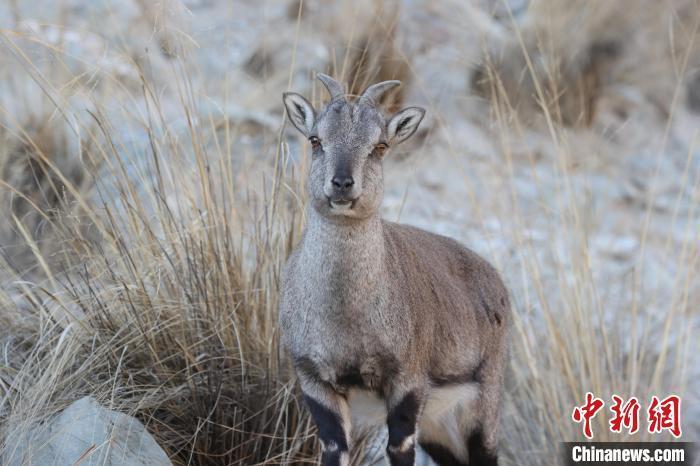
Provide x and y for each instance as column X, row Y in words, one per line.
column 353, row 249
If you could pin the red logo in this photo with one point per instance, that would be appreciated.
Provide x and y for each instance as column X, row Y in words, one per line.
column 587, row 412
column 625, row 415
column 662, row 415
column 665, row 415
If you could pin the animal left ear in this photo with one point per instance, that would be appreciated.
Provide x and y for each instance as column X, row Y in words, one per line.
column 404, row 123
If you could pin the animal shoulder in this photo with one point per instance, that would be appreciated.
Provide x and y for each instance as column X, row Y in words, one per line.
column 414, row 246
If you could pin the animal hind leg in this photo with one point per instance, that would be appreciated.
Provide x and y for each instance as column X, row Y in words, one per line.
column 480, row 453
column 450, row 411
column 482, row 441
column 441, row 455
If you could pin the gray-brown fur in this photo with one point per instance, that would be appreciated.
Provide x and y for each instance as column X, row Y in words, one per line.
column 373, row 306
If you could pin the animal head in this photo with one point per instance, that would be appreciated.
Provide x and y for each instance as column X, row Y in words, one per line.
column 349, row 140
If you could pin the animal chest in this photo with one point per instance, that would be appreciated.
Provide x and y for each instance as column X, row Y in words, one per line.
column 345, row 338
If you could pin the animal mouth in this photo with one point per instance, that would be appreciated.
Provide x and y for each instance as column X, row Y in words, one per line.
column 341, row 205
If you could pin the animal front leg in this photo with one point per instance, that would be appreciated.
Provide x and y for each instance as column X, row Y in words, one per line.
column 403, row 410
column 331, row 414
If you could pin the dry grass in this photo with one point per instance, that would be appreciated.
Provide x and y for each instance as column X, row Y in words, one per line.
column 150, row 279
column 575, row 50
column 580, row 338
column 165, row 305
column 375, row 57
column 35, row 164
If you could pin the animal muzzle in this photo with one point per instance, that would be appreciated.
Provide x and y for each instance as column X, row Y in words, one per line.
column 342, row 182
column 342, row 185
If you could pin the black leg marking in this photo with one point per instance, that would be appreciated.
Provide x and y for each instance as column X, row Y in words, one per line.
column 479, row 455
column 401, row 422
column 441, row 455
column 330, row 431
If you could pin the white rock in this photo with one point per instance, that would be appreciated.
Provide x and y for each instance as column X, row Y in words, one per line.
column 85, row 433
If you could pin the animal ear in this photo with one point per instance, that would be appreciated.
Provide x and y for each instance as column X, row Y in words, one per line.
column 300, row 112
column 404, row 123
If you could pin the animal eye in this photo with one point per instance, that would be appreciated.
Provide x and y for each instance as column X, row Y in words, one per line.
column 315, row 142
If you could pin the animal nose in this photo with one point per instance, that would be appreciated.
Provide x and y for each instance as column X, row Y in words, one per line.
column 343, row 182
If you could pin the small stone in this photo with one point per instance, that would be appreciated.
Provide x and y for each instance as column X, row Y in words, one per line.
column 88, row 434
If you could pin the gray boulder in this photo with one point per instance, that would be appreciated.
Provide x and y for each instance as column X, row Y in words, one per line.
column 88, row 434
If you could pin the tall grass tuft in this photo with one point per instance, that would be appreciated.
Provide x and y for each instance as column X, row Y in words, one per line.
column 164, row 301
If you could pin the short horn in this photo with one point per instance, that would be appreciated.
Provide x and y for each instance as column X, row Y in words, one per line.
column 375, row 91
column 335, row 89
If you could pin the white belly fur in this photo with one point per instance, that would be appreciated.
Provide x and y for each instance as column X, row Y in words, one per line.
column 367, row 409
column 449, row 414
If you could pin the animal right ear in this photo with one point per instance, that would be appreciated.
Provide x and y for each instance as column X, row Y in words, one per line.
column 300, row 112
